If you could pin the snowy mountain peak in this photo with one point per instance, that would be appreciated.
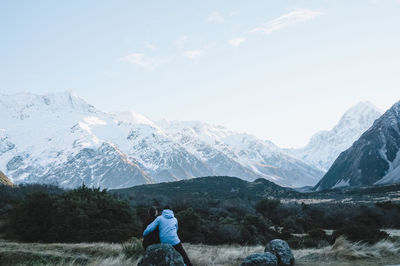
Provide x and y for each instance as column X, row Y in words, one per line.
column 133, row 118
column 23, row 105
column 325, row 146
column 358, row 116
column 373, row 159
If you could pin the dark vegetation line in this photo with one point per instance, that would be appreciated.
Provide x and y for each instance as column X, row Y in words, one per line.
column 43, row 213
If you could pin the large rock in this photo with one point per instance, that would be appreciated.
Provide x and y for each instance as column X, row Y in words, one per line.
column 260, row 259
column 282, row 251
column 161, row 255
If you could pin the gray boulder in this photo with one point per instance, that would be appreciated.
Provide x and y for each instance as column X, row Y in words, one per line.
column 260, row 259
column 282, row 251
column 161, row 255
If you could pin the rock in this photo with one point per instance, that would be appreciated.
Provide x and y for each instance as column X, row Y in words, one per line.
column 282, row 251
column 260, row 259
column 161, row 255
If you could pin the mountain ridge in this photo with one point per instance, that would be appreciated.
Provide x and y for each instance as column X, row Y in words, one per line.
column 70, row 142
column 325, row 146
column 372, row 159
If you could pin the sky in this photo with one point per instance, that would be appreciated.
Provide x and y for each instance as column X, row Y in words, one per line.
column 281, row 70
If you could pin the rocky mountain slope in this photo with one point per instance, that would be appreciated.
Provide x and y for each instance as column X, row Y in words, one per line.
column 325, row 146
column 239, row 154
column 372, row 159
column 61, row 139
column 4, row 180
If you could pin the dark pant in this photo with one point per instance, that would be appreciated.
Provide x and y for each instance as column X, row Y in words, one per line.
column 181, row 251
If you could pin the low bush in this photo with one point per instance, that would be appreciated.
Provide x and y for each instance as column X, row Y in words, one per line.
column 360, row 232
column 80, row 215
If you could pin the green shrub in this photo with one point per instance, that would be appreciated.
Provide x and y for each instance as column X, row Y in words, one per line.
column 360, row 232
column 31, row 219
column 267, row 207
column 317, row 233
column 80, row 215
column 189, row 225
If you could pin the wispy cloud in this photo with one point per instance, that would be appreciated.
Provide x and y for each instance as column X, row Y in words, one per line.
column 145, row 61
column 236, row 41
column 295, row 17
column 181, row 41
column 215, row 17
column 192, row 54
column 149, row 45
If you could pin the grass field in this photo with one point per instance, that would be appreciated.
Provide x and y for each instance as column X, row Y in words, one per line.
column 342, row 253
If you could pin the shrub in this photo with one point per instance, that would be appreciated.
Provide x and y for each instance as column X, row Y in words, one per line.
column 189, row 225
column 267, row 207
column 80, row 215
column 31, row 219
column 317, row 233
column 360, row 232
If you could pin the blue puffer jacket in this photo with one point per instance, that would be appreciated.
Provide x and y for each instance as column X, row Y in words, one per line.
column 168, row 226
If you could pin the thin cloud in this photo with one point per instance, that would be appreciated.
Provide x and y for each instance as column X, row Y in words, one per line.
column 181, row 41
column 236, row 41
column 192, row 54
column 295, row 17
column 215, row 17
column 149, row 46
column 145, row 61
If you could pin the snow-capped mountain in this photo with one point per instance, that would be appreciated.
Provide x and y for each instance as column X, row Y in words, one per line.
column 325, row 146
column 373, row 159
column 240, row 154
column 59, row 138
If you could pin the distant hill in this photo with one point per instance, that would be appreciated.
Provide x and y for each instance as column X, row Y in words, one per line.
column 373, row 159
column 203, row 191
column 4, row 180
column 207, row 188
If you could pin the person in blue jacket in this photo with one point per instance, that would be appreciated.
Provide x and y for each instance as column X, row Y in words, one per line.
column 168, row 227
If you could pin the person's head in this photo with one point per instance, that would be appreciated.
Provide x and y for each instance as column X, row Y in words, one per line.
column 167, row 207
column 153, row 211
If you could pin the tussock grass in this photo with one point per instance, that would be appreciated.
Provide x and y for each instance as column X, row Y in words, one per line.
column 345, row 249
column 346, row 253
column 341, row 253
column 224, row 255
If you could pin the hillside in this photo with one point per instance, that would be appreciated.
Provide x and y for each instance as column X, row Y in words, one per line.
column 4, row 180
column 205, row 188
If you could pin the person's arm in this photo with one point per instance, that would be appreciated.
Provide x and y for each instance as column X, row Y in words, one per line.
column 176, row 224
column 151, row 227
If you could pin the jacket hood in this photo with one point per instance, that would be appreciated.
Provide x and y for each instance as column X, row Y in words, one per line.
column 168, row 214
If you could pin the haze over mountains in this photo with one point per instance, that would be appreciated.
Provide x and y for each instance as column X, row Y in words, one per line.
column 59, row 138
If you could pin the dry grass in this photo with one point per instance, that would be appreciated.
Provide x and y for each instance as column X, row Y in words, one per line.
column 342, row 253
column 224, row 255
column 345, row 253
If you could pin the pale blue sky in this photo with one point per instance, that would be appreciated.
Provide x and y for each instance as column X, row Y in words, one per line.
column 281, row 70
